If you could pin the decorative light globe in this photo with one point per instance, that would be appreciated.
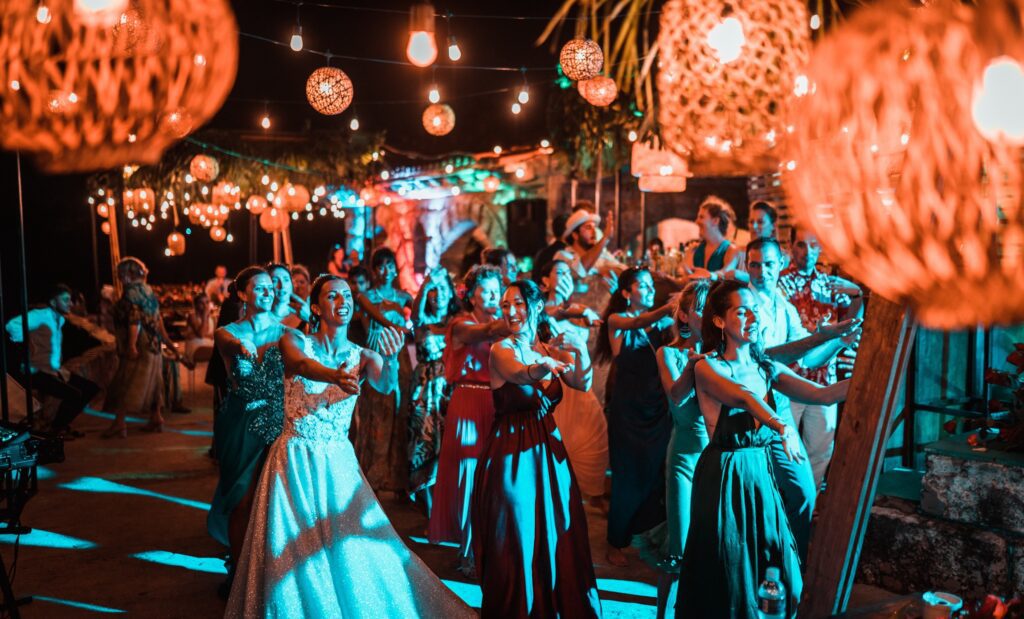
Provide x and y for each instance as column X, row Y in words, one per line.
column 887, row 166
column 650, row 159
column 218, row 233
column 491, row 184
column 599, row 91
column 274, row 220
column 225, row 193
column 98, row 86
column 439, row 119
column 329, row 90
column 176, row 243
column 256, row 204
column 204, row 168
column 727, row 71
column 581, row 59
column 292, row 198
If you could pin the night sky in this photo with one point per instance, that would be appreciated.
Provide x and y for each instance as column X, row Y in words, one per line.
column 388, row 97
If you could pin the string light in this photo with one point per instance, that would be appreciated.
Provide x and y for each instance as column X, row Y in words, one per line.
column 454, row 53
column 516, row 108
column 43, row 15
column 497, row 150
column 422, row 48
column 632, row 136
column 434, row 95
column 815, row 21
column 265, row 122
column 354, row 124
column 545, row 143
column 296, row 42
column 524, row 95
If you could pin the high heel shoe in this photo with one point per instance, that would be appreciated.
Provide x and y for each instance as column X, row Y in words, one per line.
column 115, row 431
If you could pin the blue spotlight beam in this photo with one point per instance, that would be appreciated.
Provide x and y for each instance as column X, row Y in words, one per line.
column 210, row 565
column 96, row 484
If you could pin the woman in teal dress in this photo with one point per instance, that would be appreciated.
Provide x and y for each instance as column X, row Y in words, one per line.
column 738, row 524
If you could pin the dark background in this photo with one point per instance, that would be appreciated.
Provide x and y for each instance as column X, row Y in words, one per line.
column 388, row 97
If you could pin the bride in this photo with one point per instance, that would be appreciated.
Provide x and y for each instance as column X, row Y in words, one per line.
column 318, row 543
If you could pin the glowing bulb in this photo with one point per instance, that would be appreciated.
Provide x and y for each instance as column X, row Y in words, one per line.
column 997, row 103
column 520, row 173
column 456, row 191
column 801, row 85
column 631, row 136
column 385, row 175
column 448, row 169
column 265, row 122
column 43, row 15
column 524, row 96
column 727, row 40
column 100, row 12
column 497, row 150
column 354, row 124
column 516, row 108
column 665, row 170
column 454, row 53
column 434, row 96
column 296, row 42
column 422, row 49
column 15, row 85
column 188, row 178
column 436, row 121
column 815, row 21
column 265, row 179
column 545, row 144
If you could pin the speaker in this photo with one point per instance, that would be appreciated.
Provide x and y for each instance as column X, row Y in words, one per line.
column 527, row 222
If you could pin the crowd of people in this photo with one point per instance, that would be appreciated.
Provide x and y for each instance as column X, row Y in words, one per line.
column 708, row 441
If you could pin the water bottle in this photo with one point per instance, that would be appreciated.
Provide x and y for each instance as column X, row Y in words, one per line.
column 771, row 596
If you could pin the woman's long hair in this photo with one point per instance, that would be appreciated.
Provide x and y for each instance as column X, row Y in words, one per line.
column 616, row 305
column 533, row 297
column 314, row 298
column 719, row 302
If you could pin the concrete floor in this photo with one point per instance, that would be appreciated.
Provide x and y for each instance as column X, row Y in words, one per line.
column 119, row 527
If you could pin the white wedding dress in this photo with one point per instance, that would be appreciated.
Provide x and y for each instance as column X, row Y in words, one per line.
column 318, row 542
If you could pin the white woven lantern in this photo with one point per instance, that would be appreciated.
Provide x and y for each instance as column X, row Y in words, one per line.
column 581, row 59
column 439, row 119
column 94, row 89
column 888, row 168
column 329, row 90
column 727, row 71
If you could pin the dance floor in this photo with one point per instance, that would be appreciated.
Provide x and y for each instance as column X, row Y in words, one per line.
column 120, row 527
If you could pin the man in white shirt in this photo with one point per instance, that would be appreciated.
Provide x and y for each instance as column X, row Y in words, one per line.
column 44, row 345
column 785, row 339
column 217, row 287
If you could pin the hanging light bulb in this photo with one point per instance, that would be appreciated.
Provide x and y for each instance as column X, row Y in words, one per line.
column 454, row 53
column 422, row 48
column 296, row 42
column 815, row 21
column 43, row 15
column 100, row 12
column 524, row 95
column 265, row 121
column 354, row 124
column 995, row 109
column 727, row 39
column 545, row 143
column 516, row 108
column 631, row 136
column 435, row 95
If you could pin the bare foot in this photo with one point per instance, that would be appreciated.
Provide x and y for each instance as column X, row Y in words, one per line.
column 616, row 557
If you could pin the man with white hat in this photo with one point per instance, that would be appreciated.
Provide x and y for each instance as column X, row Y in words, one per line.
column 586, row 252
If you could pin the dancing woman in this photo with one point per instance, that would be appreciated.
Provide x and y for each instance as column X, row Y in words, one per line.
column 580, row 415
column 638, row 419
column 531, row 541
column 470, row 410
column 318, row 543
column 291, row 309
column 738, row 525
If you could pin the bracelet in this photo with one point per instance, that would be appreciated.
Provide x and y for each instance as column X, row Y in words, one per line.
column 529, row 372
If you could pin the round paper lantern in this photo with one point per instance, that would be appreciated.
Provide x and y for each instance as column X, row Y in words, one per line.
column 204, row 168
column 663, row 184
column 599, row 91
column 274, row 220
column 225, row 193
column 439, row 119
column 176, row 243
column 293, row 198
column 105, row 227
column 140, row 200
column 727, row 71
column 329, row 90
column 256, row 204
column 218, row 234
column 887, row 167
column 98, row 92
column 195, row 214
column 103, row 210
column 581, row 59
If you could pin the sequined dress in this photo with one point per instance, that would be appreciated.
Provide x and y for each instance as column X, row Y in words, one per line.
column 250, row 419
column 318, row 543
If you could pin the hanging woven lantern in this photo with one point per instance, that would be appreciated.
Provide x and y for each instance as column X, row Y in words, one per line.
column 726, row 72
column 651, row 160
column 204, row 168
column 105, row 228
column 439, row 119
column 176, row 243
column 274, row 220
column 103, row 210
column 329, row 90
column 292, row 198
column 100, row 88
column 887, row 167
column 599, row 91
column 663, row 184
column 218, row 233
column 581, row 59
column 225, row 193
column 195, row 213
column 256, row 204
column 140, row 201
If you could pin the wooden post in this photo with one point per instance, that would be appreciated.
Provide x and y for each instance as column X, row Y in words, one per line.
column 286, row 244
column 870, row 410
column 277, row 247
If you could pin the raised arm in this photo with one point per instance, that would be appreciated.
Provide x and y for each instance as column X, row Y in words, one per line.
column 382, row 370
column 505, row 367
column 374, row 313
column 474, row 333
column 620, row 322
column 678, row 384
column 802, row 390
column 297, row 363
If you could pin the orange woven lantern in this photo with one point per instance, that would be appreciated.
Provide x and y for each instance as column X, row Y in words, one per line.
column 887, row 167
column 274, row 220
column 581, row 59
column 176, row 243
column 204, row 168
column 256, row 204
column 329, row 90
column 105, row 228
column 292, row 198
column 652, row 160
column 139, row 201
column 226, row 193
column 439, row 119
column 726, row 72
column 195, row 213
column 100, row 88
column 218, row 234
column 599, row 91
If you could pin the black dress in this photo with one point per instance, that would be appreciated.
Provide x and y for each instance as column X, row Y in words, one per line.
column 530, row 533
column 639, row 428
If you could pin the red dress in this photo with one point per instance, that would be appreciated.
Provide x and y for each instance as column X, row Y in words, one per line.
column 467, row 426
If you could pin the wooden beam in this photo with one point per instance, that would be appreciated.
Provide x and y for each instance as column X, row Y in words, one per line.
column 845, row 507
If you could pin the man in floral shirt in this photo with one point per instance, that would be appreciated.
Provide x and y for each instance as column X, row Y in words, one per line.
column 819, row 299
